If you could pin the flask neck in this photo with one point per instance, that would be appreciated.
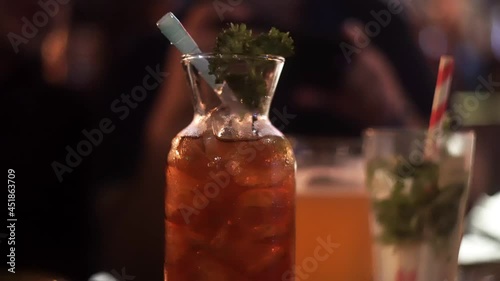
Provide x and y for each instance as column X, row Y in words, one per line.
column 232, row 94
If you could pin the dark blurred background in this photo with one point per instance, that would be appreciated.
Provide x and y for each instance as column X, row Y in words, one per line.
column 68, row 69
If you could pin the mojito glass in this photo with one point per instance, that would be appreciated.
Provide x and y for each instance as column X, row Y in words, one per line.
column 418, row 198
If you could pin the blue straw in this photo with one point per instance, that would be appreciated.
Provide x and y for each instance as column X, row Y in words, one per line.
column 171, row 27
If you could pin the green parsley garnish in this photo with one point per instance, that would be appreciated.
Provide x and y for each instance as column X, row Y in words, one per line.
column 248, row 80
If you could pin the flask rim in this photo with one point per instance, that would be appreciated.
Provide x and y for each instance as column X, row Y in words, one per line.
column 268, row 57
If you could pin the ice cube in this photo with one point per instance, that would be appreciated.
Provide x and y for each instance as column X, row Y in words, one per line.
column 233, row 167
column 261, row 163
column 209, row 268
column 180, row 241
column 382, row 184
column 255, row 257
column 188, row 154
column 264, row 213
column 261, row 176
column 273, row 230
column 180, row 193
column 257, row 198
column 220, row 151
column 266, row 197
column 241, row 250
column 221, row 238
column 212, row 146
column 175, row 248
column 408, row 183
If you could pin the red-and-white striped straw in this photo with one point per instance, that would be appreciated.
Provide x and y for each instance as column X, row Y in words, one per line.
column 445, row 75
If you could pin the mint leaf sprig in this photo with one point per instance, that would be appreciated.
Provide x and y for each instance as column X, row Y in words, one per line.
column 248, row 80
column 424, row 212
column 237, row 39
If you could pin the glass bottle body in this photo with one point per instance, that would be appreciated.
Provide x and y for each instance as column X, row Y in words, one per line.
column 230, row 195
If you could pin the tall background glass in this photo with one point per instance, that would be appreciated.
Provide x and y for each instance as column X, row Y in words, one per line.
column 418, row 202
column 332, row 210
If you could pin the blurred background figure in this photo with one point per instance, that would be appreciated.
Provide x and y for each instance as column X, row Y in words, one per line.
column 107, row 213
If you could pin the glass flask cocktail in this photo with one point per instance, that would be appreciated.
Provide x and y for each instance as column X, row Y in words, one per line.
column 230, row 195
